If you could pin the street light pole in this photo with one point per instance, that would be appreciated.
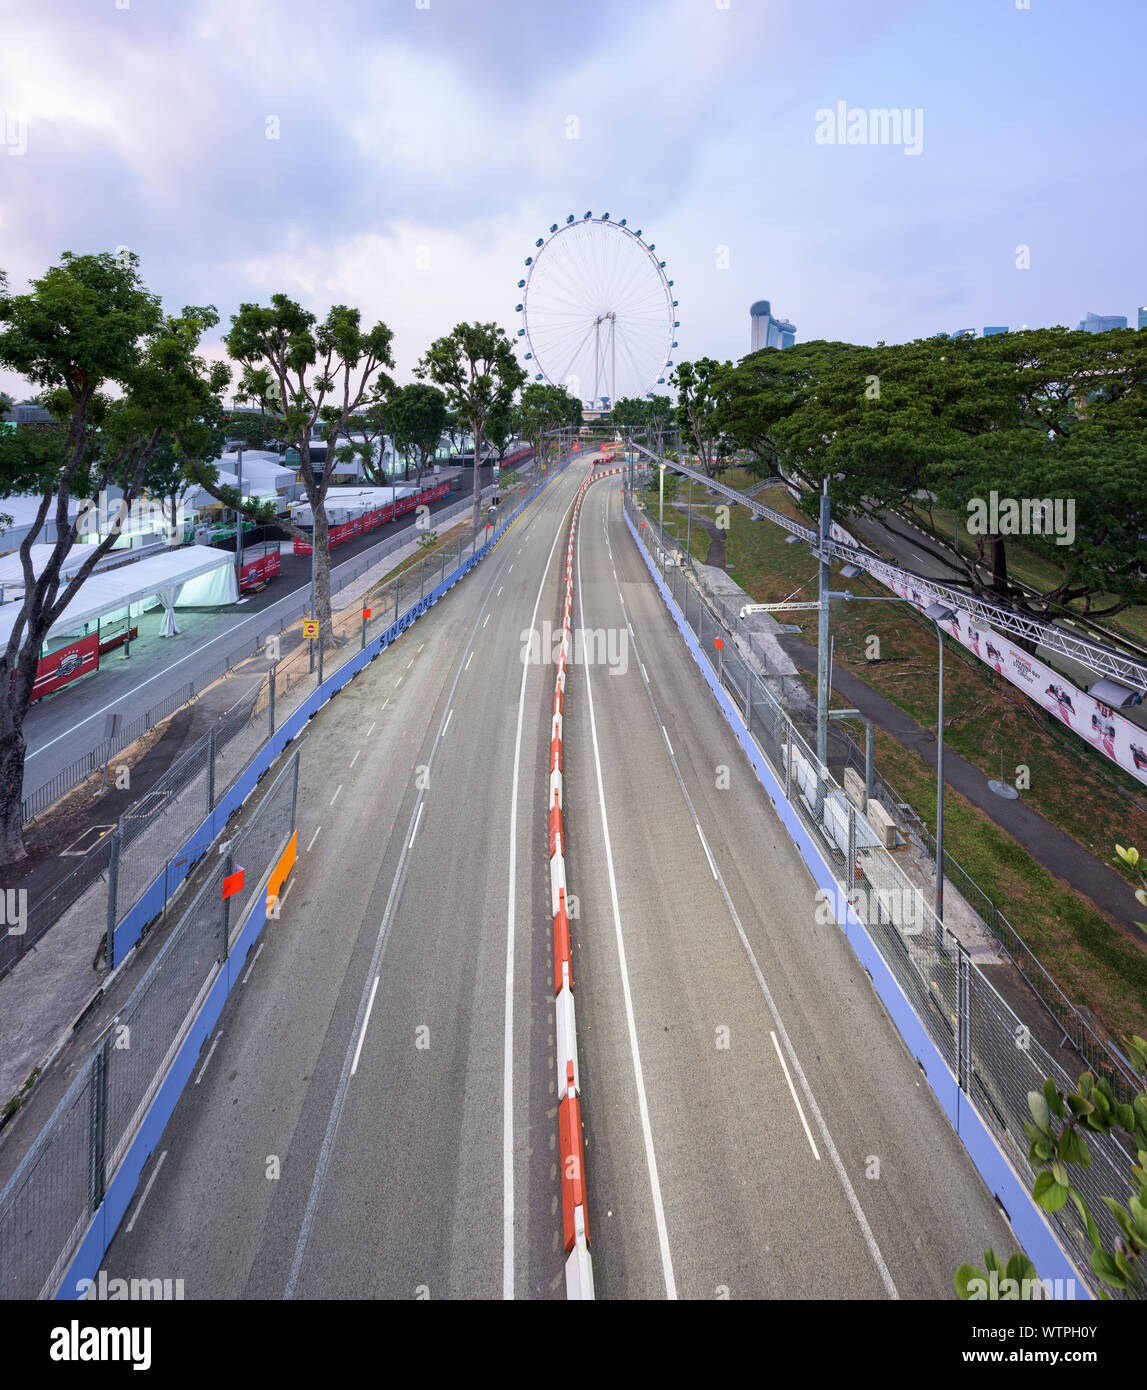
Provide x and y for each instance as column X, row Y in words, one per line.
column 939, row 613
column 822, row 691
column 239, row 529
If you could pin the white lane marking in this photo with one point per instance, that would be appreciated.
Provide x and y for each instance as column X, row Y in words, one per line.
column 398, row 682
column 314, row 837
column 793, row 1092
column 251, row 967
column 635, row 1052
column 705, row 847
column 499, row 593
column 286, row 895
column 511, row 567
column 417, row 818
column 423, row 645
column 384, row 705
column 327, row 1147
column 210, row 1054
column 487, row 619
column 336, row 795
column 147, row 1189
column 508, row 1037
column 445, row 726
column 644, row 672
column 366, row 1020
column 356, row 757
column 826, row 1137
column 410, row 663
column 469, row 659
column 666, row 733
column 372, row 727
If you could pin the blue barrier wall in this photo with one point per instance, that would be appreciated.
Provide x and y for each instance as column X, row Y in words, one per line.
column 1003, row 1181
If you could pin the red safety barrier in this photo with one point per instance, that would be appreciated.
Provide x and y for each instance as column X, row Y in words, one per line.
column 573, row 1161
column 562, row 954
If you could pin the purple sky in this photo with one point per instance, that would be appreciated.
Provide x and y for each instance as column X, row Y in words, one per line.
column 423, row 147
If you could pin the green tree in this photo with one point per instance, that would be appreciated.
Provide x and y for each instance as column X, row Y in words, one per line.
column 417, row 420
column 541, row 411
column 697, row 402
column 87, row 325
column 303, row 374
column 476, row 367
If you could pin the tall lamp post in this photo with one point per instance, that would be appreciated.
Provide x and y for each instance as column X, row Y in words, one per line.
column 940, row 613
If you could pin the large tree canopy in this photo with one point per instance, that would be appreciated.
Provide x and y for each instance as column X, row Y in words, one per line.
column 1051, row 415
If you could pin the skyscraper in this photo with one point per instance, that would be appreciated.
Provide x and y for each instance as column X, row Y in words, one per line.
column 998, row 329
column 1102, row 323
column 768, row 331
column 1143, row 316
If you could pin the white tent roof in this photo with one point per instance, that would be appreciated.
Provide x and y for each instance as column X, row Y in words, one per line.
column 115, row 590
column 12, row 571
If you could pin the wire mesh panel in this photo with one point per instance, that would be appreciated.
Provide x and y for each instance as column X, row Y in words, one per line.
column 995, row 1055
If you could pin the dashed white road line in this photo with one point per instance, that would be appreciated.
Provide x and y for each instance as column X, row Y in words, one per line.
column 366, row 1020
column 487, row 619
column 445, row 726
column 147, row 1189
column 705, row 847
column 793, row 1092
column 372, row 727
column 469, row 659
column 314, row 837
column 336, row 795
column 417, row 818
column 210, row 1054
column 398, row 682
column 356, row 757
column 251, row 967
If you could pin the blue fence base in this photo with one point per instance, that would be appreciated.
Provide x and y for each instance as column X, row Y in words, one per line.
column 1041, row 1245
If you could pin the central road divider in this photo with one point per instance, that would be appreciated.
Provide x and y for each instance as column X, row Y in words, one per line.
column 575, row 1230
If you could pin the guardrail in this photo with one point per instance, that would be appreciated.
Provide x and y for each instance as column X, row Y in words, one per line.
column 978, row 1055
column 37, row 801
column 62, row 1205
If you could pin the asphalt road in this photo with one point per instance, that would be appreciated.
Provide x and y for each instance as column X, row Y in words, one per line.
column 375, row 1115
column 754, row 1125
column 385, row 1106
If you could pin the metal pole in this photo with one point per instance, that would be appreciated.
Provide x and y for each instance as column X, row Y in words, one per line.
column 867, row 764
column 271, row 678
column 239, row 526
column 964, row 1016
column 211, row 769
column 113, row 894
column 228, row 866
column 822, row 693
column 319, row 640
column 940, row 801
column 661, row 498
column 689, row 517
column 314, row 528
column 362, row 646
column 97, row 1175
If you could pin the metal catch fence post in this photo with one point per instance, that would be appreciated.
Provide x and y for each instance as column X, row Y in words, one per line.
column 98, row 1126
column 271, row 694
column 964, row 1019
column 113, row 884
column 211, row 769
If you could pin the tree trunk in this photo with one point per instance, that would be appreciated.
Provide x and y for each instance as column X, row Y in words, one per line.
column 320, row 541
column 477, row 516
column 12, row 751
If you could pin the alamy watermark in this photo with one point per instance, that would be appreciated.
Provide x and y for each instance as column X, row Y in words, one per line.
column 116, row 517
column 1024, row 516
column 853, row 125
column 589, row 646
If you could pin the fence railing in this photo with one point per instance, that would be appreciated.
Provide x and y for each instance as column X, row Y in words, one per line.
column 145, row 844
column 995, row 1057
column 38, row 800
column 46, row 1205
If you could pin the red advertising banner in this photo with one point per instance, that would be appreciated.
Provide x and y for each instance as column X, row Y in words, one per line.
column 67, row 664
column 345, row 530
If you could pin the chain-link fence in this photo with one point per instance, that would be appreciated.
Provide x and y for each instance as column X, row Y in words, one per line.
column 40, row 798
column 987, row 1046
column 146, row 843
column 49, row 1200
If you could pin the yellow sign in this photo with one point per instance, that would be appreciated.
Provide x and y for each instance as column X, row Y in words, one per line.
column 310, row 627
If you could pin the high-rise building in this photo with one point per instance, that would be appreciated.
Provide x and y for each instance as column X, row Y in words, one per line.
column 989, row 331
column 1102, row 323
column 768, row 331
column 1143, row 316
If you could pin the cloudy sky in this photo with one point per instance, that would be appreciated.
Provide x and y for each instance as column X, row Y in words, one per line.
column 404, row 155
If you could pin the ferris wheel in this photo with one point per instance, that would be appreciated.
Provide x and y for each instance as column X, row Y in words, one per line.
column 598, row 313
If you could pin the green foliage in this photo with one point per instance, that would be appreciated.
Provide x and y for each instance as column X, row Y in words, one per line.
column 417, row 415
column 698, row 398
column 1049, row 413
column 1056, row 1139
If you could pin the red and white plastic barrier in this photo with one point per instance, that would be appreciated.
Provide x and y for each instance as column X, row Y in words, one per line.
column 579, row 1269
